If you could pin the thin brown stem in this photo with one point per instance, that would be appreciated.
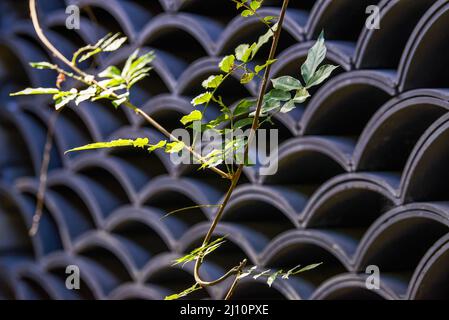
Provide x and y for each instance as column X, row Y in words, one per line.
column 90, row 80
column 238, row 173
column 43, row 177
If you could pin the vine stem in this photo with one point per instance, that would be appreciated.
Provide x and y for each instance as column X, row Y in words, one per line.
column 47, row 43
column 236, row 177
column 43, row 176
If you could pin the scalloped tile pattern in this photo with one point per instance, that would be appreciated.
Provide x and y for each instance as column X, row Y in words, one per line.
column 363, row 177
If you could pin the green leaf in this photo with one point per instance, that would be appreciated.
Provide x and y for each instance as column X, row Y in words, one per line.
column 227, row 63
column 277, row 94
column 247, row 13
column 202, row 98
column 195, row 115
column 110, row 72
column 243, row 123
column 243, row 107
column 158, row 145
column 138, row 143
column 308, row 268
column 64, row 97
column 259, row 68
column 184, row 293
column 212, row 82
column 118, row 102
column 129, row 62
column 288, row 106
column 316, row 55
column 34, row 91
column 301, row 95
column 247, row 77
column 322, row 74
column 273, row 277
column 86, row 56
column 114, row 45
column 263, row 40
column 200, row 252
column 269, row 18
column 42, row 65
column 242, row 52
column 263, row 273
column 86, row 94
column 138, row 64
column 286, row 83
column 255, row 5
column 174, row 147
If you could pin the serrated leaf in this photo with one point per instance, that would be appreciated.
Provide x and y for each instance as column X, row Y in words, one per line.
column 158, row 145
column 286, row 83
column 227, row 63
column 42, row 65
column 212, row 82
column 247, row 77
column 321, row 74
column 138, row 143
column 316, row 55
column 174, row 147
column 202, row 98
column 35, row 91
column 195, row 115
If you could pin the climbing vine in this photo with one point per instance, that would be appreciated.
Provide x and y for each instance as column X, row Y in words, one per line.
column 114, row 85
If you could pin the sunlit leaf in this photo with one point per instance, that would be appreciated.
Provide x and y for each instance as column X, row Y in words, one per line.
column 34, row 91
column 301, row 95
column 156, row 146
column 227, row 63
column 202, row 98
column 212, row 82
column 273, row 277
column 174, row 147
column 321, row 74
column 138, row 143
column 316, row 55
column 259, row 68
column 286, row 83
column 42, row 65
column 247, row 77
column 195, row 115
column 184, row 293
